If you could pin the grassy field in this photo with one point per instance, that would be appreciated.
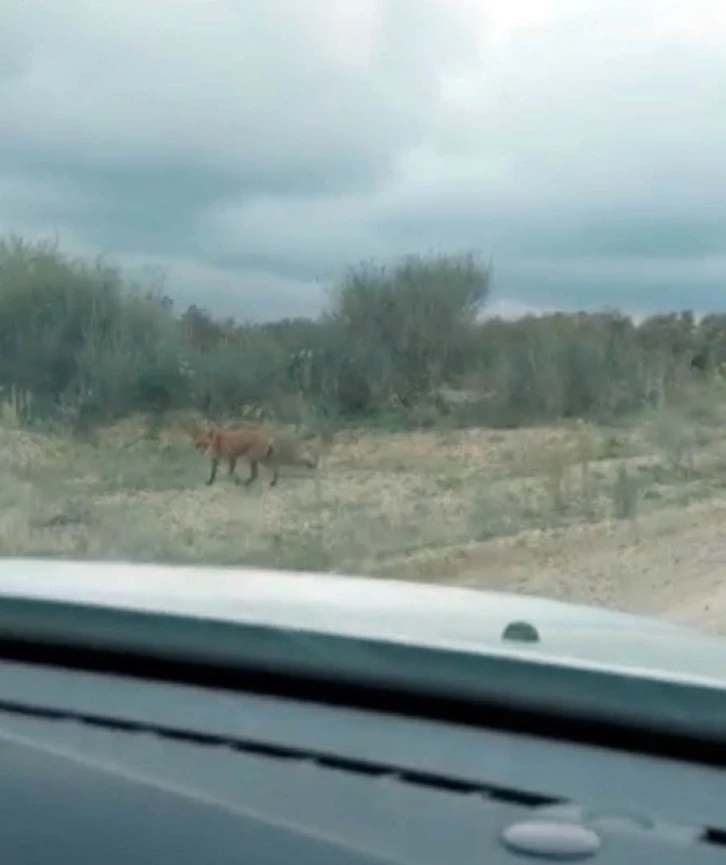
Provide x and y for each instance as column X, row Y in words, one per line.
column 613, row 516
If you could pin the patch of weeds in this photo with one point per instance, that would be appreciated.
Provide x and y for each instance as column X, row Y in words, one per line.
column 675, row 436
column 704, row 405
column 625, row 495
column 153, row 426
column 10, row 415
column 687, row 496
column 69, row 512
column 555, row 464
column 588, row 447
column 299, row 551
column 573, row 489
column 587, row 444
column 355, row 536
column 147, row 468
column 494, row 516
column 653, row 494
column 718, row 481
column 588, row 492
column 451, row 482
column 135, row 534
column 613, row 446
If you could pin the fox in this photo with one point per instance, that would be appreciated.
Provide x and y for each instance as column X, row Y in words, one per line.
column 254, row 444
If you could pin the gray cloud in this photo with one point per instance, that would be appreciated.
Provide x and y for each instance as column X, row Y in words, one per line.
column 266, row 89
column 254, row 149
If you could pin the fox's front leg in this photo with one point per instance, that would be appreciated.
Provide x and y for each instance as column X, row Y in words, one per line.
column 232, row 466
column 213, row 473
column 253, row 473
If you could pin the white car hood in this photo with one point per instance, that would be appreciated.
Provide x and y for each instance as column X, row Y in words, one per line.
column 424, row 615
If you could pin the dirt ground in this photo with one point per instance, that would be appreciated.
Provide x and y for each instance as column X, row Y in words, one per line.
column 629, row 518
column 671, row 564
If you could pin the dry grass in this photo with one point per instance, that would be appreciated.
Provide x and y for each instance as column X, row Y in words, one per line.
column 612, row 516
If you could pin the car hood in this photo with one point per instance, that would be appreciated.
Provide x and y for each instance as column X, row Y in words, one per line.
column 422, row 615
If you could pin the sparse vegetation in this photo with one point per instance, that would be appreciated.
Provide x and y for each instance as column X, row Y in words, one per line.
column 446, row 439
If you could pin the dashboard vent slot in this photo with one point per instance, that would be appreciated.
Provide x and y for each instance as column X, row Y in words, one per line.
column 330, row 761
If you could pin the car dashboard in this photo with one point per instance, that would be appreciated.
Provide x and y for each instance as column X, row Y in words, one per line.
column 101, row 767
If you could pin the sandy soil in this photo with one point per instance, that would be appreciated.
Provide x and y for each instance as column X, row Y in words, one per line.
column 671, row 564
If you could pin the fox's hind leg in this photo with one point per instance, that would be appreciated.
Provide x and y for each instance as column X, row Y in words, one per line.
column 268, row 456
column 253, row 473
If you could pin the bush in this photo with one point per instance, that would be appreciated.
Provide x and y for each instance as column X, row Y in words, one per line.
column 80, row 340
column 400, row 329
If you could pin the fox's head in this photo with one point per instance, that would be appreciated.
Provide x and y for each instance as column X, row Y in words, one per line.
column 202, row 440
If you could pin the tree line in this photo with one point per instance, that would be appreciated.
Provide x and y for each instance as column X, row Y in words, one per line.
column 81, row 343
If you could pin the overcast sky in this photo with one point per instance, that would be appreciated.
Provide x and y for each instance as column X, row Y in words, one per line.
column 251, row 149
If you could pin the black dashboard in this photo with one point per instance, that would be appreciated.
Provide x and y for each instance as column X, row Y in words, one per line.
column 105, row 768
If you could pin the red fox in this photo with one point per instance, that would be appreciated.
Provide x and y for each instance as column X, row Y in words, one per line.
column 252, row 443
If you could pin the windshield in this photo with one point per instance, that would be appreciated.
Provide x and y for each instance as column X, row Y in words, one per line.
column 430, row 290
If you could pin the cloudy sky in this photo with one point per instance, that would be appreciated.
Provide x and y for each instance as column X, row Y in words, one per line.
column 250, row 149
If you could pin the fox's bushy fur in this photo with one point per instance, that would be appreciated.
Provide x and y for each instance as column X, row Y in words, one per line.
column 254, row 444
